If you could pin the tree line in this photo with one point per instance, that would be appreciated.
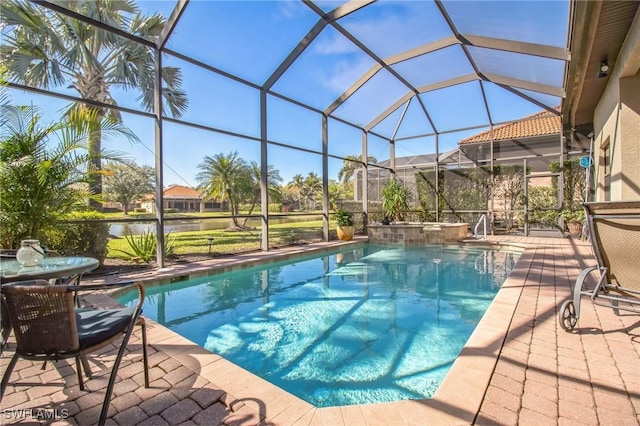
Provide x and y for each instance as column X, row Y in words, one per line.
column 46, row 171
column 234, row 182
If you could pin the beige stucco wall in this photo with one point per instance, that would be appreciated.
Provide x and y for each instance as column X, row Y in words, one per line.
column 630, row 136
column 617, row 122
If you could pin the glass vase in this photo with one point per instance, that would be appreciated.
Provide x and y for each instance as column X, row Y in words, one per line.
column 29, row 253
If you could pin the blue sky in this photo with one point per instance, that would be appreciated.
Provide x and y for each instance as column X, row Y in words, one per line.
column 251, row 38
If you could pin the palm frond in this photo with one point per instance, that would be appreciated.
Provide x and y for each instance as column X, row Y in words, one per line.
column 148, row 27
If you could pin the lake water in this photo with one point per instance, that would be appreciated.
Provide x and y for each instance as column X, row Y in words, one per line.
column 121, row 229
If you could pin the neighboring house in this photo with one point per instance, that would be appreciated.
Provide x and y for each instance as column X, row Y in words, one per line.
column 182, row 199
column 538, row 138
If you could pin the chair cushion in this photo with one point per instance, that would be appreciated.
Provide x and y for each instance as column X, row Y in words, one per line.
column 98, row 325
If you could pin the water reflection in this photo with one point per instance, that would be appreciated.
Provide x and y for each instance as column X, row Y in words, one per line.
column 366, row 325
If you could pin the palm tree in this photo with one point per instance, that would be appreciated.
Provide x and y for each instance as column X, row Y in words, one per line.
column 296, row 183
column 41, row 48
column 273, row 185
column 337, row 192
column 349, row 165
column 225, row 178
column 310, row 188
column 41, row 182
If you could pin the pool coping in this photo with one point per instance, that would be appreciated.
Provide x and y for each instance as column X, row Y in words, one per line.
column 457, row 400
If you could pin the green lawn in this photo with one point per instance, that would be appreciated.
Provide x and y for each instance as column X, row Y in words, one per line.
column 196, row 242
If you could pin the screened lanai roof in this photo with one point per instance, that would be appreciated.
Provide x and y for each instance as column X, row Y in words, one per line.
column 400, row 69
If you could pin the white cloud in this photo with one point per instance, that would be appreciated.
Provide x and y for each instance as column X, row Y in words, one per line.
column 397, row 26
column 333, row 45
column 344, row 73
column 289, row 9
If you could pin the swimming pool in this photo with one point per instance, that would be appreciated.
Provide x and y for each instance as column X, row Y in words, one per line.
column 372, row 324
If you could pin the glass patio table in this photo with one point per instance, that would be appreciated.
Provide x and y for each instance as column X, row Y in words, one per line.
column 49, row 268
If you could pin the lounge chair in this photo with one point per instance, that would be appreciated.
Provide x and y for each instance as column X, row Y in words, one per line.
column 47, row 326
column 614, row 228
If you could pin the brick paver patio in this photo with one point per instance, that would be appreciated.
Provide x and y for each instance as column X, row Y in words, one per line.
column 542, row 375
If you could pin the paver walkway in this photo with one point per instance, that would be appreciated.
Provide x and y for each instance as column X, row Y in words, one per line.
column 547, row 376
column 543, row 375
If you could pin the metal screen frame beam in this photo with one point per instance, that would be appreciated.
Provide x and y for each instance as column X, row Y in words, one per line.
column 365, row 179
column 448, row 83
column 525, row 48
column 295, row 53
column 177, row 12
column 172, row 21
column 389, row 111
column 426, row 113
column 529, row 98
column 344, row 9
column 486, row 104
column 527, row 85
column 401, row 119
column 59, row 9
column 373, row 56
column 422, row 50
column 457, row 34
column 325, row 178
column 210, row 68
column 264, row 164
column 77, row 99
column 157, row 110
column 353, row 89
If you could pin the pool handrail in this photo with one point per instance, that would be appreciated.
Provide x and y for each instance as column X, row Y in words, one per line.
column 483, row 220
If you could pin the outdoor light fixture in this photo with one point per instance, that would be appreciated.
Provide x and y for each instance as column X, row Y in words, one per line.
column 210, row 241
column 604, row 69
column 292, row 233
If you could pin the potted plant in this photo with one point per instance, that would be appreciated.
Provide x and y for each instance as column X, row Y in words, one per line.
column 573, row 219
column 395, row 200
column 344, row 221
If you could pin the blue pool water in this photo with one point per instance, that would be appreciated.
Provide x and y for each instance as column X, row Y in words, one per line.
column 373, row 324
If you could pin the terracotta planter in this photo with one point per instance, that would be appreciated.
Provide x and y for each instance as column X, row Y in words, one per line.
column 345, row 233
column 575, row 228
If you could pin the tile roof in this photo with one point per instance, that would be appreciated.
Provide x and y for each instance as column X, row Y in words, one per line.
column 539, row 124
column 180, row 191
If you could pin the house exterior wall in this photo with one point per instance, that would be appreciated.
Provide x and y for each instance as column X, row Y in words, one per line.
column 617, row 126
column 149, row 205
column 630, row 128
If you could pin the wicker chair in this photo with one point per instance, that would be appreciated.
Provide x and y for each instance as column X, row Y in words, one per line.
column 47, row 326
column 5, row 325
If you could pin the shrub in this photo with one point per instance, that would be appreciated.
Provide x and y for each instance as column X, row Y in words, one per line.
column 40, row 180
column 344, row 218
column 245, row 208
column 140, row 210
column 143, row 246
column 81, row 235
column 575, row 216
column 111, row 210
column 542, row 202
column 395, row 199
